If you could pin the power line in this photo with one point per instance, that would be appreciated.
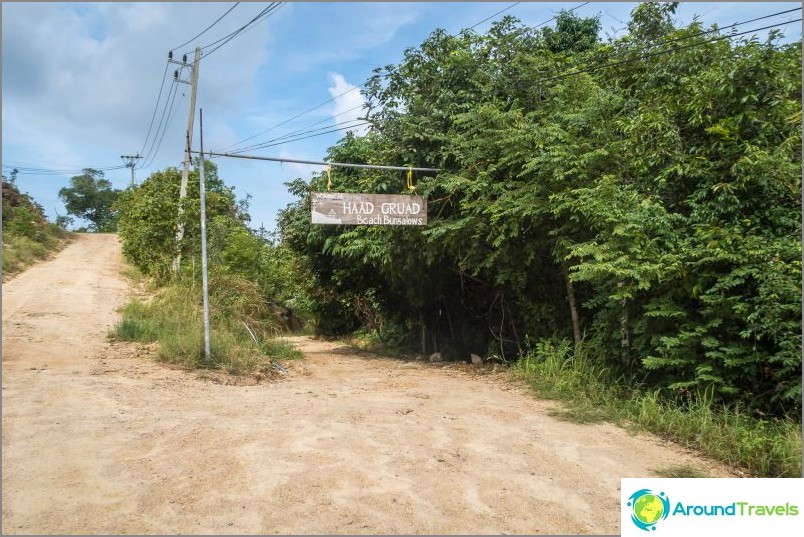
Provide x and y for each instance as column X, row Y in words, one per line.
column 280, row 142
column 54, row 172
column 643, row 51
column 171, row 96
column 556, row 16
column 658, row 53
column 154, row 151
column 714, row 30
column 208, row 27
column 230, row 34
column 156, row 107
column 358, row 87
column 301, row 132
column 170, row 120
column 262, row 15
column 292, row 118
column 356, row 123
column 492, row 16
column 161, row 88
column 304, row 129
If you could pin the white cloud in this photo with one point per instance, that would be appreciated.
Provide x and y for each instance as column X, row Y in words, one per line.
column 337, row 35
column 348, row 103
column 87, row 75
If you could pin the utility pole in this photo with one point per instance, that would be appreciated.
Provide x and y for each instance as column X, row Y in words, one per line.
column 205, row 281
column 189, row 140
column 132, row 162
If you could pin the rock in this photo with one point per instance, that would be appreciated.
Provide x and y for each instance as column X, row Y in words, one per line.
column 435, row 357
column 476, row 360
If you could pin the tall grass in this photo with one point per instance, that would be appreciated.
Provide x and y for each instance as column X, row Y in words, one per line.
column 20, row 251
column 761, row 447
column 242, row 334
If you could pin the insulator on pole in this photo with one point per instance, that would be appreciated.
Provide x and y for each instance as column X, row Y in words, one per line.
column 176, row 74
column 184, row 59
column 170, row 55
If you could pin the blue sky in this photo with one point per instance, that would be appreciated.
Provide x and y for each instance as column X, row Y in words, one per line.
column 80, row 80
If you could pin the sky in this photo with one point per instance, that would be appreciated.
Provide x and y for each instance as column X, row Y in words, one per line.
column 80, row 81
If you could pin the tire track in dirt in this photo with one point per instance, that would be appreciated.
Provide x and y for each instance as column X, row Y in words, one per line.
column 98, row 438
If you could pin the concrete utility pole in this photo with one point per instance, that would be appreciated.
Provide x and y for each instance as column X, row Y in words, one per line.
column 186, row 169
column 205, row 282
column 132, row 162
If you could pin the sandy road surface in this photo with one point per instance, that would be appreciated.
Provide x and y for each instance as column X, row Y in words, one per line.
column 97, row 439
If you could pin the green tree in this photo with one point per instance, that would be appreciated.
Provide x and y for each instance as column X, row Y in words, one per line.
column 149, row 217
column 92, row 197
column 649, row 207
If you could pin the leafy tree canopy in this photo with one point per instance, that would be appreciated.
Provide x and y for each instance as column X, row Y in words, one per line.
column 650, row 200
column 91, row 196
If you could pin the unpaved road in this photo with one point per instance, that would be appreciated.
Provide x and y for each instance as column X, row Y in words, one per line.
column 99, row 439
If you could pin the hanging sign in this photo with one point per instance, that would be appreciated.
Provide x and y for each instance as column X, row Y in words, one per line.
column 368, row 209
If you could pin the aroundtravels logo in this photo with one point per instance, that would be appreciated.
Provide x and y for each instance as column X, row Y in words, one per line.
column 702, row 507
column 648, row 508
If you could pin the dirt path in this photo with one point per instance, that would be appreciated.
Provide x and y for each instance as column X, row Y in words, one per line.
column 99, row 440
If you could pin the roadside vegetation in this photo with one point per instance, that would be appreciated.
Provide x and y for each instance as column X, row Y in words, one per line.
column 619, row 221
column 27, row 235
column 621, row 218
column 250, row 303
column 755, row 443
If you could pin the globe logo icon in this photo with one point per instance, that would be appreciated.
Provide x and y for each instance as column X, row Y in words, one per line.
column 648, row 508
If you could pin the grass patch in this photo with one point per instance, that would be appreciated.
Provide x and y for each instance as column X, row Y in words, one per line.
column 682, row 471
column 242, row 335
column 581, row 414
column 591, row 393
column 20, row 252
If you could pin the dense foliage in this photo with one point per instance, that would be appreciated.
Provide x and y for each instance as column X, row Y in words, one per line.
column 27, row 235
column 91, row 196
column 240, row 257
column 641, row 196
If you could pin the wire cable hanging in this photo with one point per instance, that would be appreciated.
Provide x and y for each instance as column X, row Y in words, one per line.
column 207, row 28
column 359, row 87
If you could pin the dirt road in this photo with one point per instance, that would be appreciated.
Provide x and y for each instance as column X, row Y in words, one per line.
column 99, row 439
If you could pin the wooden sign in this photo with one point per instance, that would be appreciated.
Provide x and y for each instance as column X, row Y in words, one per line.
column 368, row 209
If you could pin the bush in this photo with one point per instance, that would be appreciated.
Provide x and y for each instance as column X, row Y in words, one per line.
column 241, row 335
column 763, row 447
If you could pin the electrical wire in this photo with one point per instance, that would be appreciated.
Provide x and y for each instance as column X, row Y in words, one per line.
column 556, row 16
column 269, row 129
column 354, row 123
column 170, row 120
column 164, row 76
column 644, row 50
column 156, row 107
column 359, row 87
column 55, row 172
column 492, row 16
column 263, row 146
column 208, row 27
column 262, row 15
column 171, row 96
column 667, row 51
column 283, row 139
column 304, row 130
column 166, row 114
column 230, row 34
